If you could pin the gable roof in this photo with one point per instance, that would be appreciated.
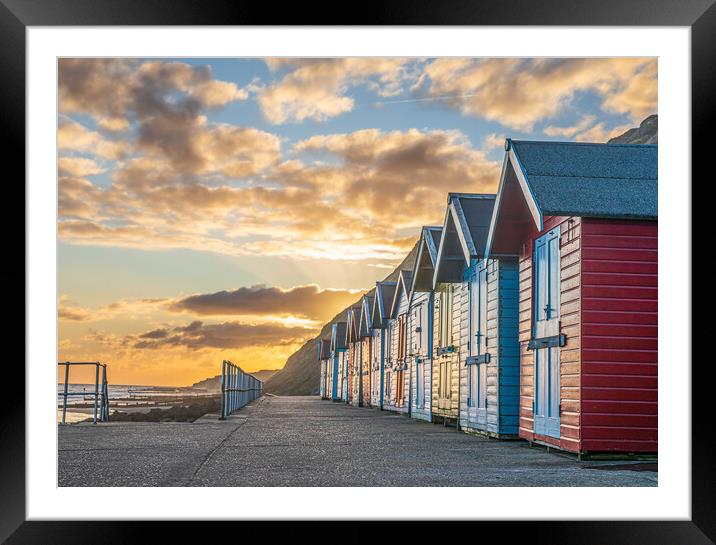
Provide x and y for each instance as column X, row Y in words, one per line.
column 352, row 324
column 338, row 336
column 426, row 260
column 382, row 302
column 324, row 348
column 571, row 179
column 404, row 283
column 464, row 234
column 365, row 314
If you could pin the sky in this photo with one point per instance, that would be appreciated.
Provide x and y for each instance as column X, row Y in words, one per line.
column 216, row 209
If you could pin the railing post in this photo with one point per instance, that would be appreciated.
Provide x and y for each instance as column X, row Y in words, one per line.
column 223, row 390
column 104, row 412
column 233, row 387
column 96, row 390
column 64, row 401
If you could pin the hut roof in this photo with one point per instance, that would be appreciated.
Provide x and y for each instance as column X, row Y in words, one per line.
column 338, row 336
column 424, row 268
column 384, row 292
column 324, row 348
column 365, row 315
column 571, row 179
column 404, row 283
column 464, row 234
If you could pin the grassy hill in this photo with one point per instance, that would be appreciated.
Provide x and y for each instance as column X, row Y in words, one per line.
column 214, row 383
column 301, row 374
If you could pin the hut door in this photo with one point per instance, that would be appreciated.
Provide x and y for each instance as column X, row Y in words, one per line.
column 344, row 378
column 546, row 298
column 477, row 370
column 334, row 382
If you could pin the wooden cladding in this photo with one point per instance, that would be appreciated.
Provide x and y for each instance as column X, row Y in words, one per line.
column 445, row 337
column 402, row 336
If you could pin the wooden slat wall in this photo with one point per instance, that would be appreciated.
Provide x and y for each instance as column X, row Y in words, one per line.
column 350, row 354
column 355, row 397
column 460, row 297
column 420, row 298
column 366, row 345
column 570, row 325
column 342, row 377
column 402, row 308
column 464, row 327
column 323, row 379
column 619, row 335
column 375, row 373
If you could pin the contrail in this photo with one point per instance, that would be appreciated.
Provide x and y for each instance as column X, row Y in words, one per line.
column 428, row 99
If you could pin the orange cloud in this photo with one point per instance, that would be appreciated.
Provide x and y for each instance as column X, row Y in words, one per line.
column 316, row 88
column 308, row 301
column 197, row 335
column 519, row 92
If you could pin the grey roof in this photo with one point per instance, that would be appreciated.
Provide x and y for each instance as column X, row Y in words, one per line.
column 324, row 348
column 366, row 309
column 591, row 180
column 477, row 210
column 404, row 283
column 384, row 292
column 435, row 233
column 424, row 267
column 338, row 336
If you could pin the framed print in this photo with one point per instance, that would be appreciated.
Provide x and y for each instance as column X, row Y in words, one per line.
column 433, row 263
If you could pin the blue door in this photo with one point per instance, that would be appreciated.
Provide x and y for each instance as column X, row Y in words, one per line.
column 477, row 370
column 546, row 324
column 334, row 382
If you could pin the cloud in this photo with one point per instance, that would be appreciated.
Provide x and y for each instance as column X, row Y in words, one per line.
column 519, row 92
column 68, row 312
column 110, row 88
column 568, row 132
column 308, row 301
column 316, row 89
column 127, row 308
column 351, row 208
column 167, row 100
column 493, row 141
column 79, row 167
column 73, row 136
column 599, row 133
column 386, row 173
column 227, row 335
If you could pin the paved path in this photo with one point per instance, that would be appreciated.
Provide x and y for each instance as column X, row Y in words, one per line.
column 304, row 441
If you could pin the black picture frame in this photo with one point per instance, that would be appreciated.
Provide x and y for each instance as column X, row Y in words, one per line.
column 17, row 15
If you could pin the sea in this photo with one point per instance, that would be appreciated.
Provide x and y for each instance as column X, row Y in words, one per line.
column 80, row 405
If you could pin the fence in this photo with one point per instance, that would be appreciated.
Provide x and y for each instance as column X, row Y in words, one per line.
column 101, row 398
column 237, row 388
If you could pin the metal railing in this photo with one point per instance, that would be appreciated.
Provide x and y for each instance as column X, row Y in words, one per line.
column 237, row 388
column 101, row 392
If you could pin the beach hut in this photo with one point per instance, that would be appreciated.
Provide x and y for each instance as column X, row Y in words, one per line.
column 353, row 346
column 582, row 220
column 420, row 327
column 365, row 333
column 323, row 357
column 397, row 379
column 338, row 361
column 380, row 316
column 488, row 400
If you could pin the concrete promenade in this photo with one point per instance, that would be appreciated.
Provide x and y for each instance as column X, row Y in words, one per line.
column 304, row 441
